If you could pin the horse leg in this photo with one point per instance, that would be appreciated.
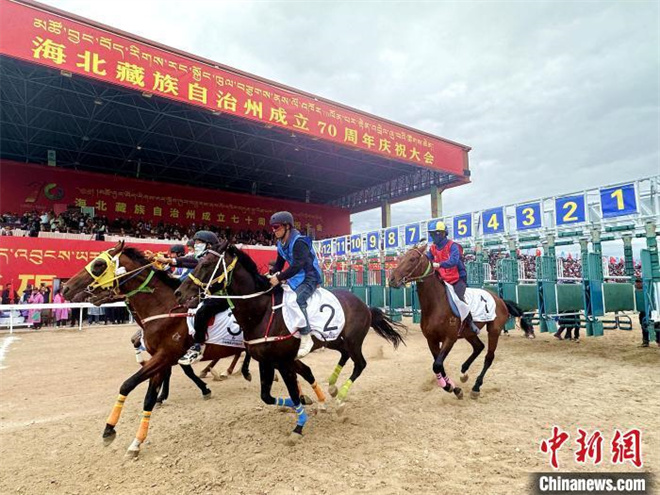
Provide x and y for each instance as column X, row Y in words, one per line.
column 306, row 372
column 477, row 347
column 288, row 373
column 245, row 368
column 493, row 336
column 149, row 403
column 201, row 384
column 332, row 389
column 165, row 388
column 205, row 372
column 359, row 363
column 153, row 366
column 266, row 375
column 234, row 362
column 444, row 381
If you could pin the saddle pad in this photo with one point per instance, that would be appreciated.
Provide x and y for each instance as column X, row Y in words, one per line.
column 222, row 330
column 479, row 302
column 326, row 316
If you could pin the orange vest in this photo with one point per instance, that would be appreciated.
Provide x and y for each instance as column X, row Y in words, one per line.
column 449, row 275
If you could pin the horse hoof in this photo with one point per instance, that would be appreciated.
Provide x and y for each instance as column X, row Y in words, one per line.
column 207, row 395
column 321, row 407
column 293, row 439
column 203, row 374
column 283, row 409
column 341, row 409
column 248, row 377
column 474, row 395
column 333, row 391
column 221, row 377
column 159, row 404
column 464, row 378
column 458, row 393
column 276, row 378
column 109, row 438
column 306, row 400
column 131, row 454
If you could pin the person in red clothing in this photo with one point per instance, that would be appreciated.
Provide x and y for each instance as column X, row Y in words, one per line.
column 447, row 258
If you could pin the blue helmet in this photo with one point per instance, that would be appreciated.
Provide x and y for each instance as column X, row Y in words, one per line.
column 281, row 217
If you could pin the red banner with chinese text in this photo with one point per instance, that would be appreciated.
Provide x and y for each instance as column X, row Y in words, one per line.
column 40, row 36
column 27, row 187
column 33, row 260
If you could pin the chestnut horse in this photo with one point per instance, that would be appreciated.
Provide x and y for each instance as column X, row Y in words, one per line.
column 439, row 325
column 266, row 336
column 127, row 272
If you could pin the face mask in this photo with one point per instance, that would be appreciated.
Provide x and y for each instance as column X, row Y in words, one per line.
column 199, row 249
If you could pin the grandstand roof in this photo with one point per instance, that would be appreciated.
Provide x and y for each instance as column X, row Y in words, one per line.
column 96, row 125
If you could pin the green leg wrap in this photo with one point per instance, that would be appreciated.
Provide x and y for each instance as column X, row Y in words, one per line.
column 343, row 391
column 335, row 375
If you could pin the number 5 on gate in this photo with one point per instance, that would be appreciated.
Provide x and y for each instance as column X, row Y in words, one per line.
column 463, row 226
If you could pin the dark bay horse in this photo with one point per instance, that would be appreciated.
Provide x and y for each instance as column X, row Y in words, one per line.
column 265, row 333
column 126, row 272
column 150, row 293
column 439, row 325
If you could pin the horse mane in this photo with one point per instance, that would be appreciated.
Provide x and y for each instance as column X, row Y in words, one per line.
column 134, row 254
column 250, row 266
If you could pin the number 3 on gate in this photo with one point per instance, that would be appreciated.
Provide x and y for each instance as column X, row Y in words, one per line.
column 528, row 216
column 618, row 201
column 569, row 210
column 493, row 221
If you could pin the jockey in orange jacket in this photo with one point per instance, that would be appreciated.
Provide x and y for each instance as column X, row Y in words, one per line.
column 447, row 258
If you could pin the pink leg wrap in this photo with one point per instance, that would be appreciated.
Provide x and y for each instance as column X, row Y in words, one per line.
column 442, row 383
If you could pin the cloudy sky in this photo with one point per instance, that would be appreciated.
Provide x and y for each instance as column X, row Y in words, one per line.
column 552, row 96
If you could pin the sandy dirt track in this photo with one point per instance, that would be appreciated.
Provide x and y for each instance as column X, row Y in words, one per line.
column 403, row 435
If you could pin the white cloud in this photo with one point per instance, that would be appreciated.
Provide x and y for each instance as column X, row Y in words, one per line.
column 551, row 96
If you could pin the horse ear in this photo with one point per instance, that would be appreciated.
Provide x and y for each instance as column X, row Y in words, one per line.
column 421, row 247
column 222, row 245
column 119, row 247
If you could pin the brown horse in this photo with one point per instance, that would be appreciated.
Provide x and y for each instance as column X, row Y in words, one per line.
column 266, row 336
column 439, row 325
column 126, row 272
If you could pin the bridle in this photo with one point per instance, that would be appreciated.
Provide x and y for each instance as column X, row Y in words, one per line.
column 427, row 272
column 205, row 287
column 115, row 276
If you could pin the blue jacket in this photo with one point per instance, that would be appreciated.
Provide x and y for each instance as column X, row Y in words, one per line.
column 299, row 269
column 454, row 258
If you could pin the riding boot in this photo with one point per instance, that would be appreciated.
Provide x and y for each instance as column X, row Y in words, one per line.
column 306, row 342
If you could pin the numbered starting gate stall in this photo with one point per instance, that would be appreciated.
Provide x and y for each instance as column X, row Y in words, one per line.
column 592, row 216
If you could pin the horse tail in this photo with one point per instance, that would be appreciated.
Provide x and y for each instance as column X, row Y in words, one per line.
column 387, row 328
column 516, row 312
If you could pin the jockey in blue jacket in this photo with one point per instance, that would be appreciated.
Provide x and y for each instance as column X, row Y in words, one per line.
column 304, row 273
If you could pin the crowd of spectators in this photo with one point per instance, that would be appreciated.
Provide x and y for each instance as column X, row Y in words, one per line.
column 571, row 267
column 74, row 221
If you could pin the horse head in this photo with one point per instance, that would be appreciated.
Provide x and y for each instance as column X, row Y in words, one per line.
column 209, row 275
column 412, row 265
column 96, row 275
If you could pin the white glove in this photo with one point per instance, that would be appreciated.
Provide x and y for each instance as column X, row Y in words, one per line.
column 436, row 265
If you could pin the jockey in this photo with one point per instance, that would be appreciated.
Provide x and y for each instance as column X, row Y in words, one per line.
column 447, row 258
column 204, row 240
column 303, row 275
